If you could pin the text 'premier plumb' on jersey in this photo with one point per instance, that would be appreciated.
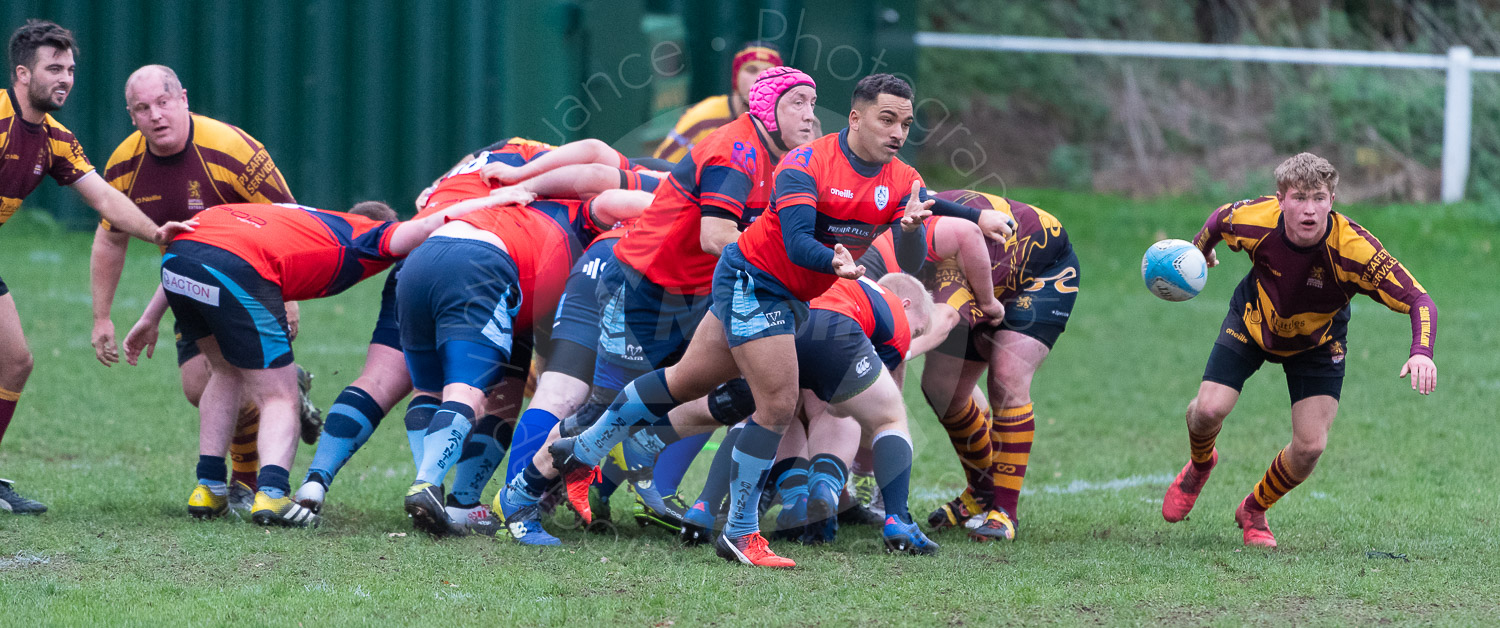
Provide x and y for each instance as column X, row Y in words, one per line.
column 1297, row 298
column 727, row 175
column 220, row 165
column 29, row 152
column 878, row 312
column 854, row 201
column 542, row 249
column 309, row 252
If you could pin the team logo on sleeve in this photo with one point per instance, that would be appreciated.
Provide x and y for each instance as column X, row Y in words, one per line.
column 801, row 156
column 882, row 196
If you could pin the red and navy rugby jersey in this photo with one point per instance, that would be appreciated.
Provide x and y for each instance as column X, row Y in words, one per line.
column 309, row 252
column 464, row 181
column 543, row 250
column 878, row 312
column 855, row 201
column 727, row 175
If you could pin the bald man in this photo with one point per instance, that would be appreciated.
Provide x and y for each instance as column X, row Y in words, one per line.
column 174, row 165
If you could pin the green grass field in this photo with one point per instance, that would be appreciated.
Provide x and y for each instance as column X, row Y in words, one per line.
column 112, row 452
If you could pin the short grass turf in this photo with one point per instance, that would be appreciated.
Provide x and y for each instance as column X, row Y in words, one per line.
column 111, row 451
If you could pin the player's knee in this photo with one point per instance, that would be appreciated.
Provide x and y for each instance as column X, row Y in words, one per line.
column 1015, row 383
column 939, row 396
column 1307, row 450
column 194, row 394
column 575, row 423
column 731, row 402
column 776, row 409
column 17, row 370
column 1208, row 410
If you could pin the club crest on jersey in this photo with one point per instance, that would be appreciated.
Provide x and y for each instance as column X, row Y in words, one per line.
column 882, row 196
column 195, row 196
column 1315, row 277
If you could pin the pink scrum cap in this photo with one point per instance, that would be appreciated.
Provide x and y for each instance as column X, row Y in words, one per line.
column 768, row 89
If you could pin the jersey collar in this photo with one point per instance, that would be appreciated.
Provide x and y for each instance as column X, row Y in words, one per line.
column 177, row 156
column 15, row 105
column 863, row 168
column 1327, row 230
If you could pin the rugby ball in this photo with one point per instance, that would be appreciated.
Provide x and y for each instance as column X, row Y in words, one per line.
column 1174, row 270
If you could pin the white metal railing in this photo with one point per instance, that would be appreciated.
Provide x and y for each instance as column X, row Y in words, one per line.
column 1459, row 64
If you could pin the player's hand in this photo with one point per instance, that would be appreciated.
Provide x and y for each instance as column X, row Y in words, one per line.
column 511, row 195
column 141, row 337
column 1423, row 373
column 497, row 174
column 843, row 264
column 994, row 310
column 996, row 225
column 422, row 198
column 917, row 210
column 1211, row 259
column 293, row 317
column 103, row 340
column 170, row 230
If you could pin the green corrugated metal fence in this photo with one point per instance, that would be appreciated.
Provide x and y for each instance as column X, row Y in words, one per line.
column 372, row 99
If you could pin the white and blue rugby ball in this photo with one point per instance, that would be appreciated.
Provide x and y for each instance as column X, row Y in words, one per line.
column 1174, row 270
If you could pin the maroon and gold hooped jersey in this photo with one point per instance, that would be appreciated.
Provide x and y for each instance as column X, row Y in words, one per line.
column 221, row 165
column 1296, row 298
column 29, row 152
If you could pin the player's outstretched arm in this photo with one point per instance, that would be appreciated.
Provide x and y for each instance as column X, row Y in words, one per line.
column 586, row 151
column 574, row 181
column 995, row 224
column 963, row 241
column 115, row 207
column 106, row 261
column 1219, row 222
column 411, row 233
column 798, row 223
column 1423, row 373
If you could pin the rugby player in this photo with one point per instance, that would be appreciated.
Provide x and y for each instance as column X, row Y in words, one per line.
column 464, row 298
column 226, row 284
column 1293, row 309
column 383, row 380
column 1034, row 275
column 173, row 166
column 715, row 111
column 34, row 145
column 853, row 329
column 832, row 198
column 655, row 297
